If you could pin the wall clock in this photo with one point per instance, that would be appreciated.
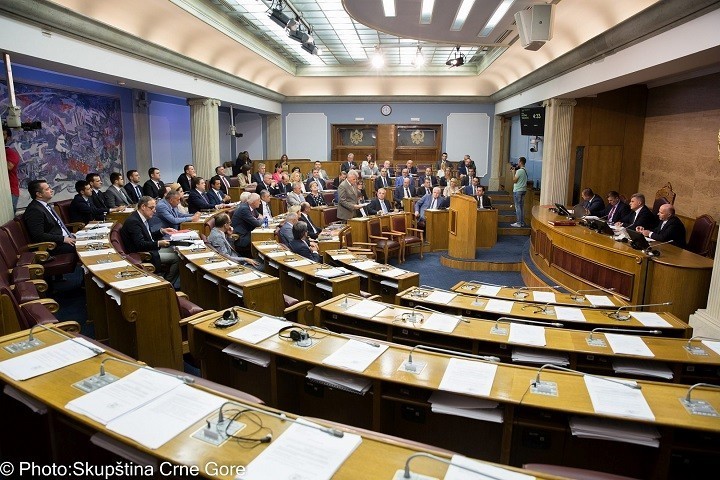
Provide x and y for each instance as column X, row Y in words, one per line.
column 386, row 110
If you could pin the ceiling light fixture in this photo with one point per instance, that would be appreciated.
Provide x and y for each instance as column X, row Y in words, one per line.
column 458, row 59
column 389, row 7
column 378, row 59
column 419, row 59
column 426, row 11
column 495, row 18
column 461, row 15
column 296, row 28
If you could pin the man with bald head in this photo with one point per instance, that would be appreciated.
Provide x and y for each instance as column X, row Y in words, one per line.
column 244, row 221
column 669, row 228
column 348, row 203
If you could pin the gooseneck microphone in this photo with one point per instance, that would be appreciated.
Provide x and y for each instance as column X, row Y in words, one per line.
column 698, row 350
column 60, row 333
column 708, row 385
column 599, row 343
column 414, row 317
column 501, row 331
column 522, row 292
column 406, row 473
column 537, row 381
column 578, row 296
column 184, row 378
column 650, row 251
column 411, row 367
column 617, row 315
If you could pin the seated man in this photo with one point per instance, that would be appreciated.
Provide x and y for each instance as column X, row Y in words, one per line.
column 315, row 177
column 116, row 195
column 669, row 228
column 185, row 178
column 295, row 197
column 196, row 199
column 313, row 230
column 483, row 200
column 383, row 180
column 406, row 190
column 264, row 209
column 471, row 187
column 428, row 175
column 400, row 179
column 616, row 209
column 215, row 195
column 300, row 245
column 244, row 221
column 219, row 239
column 41, row 221
column 426, row 188
column 433, row 202
column 138, row 237
column 82, row 208
column 154, row 187
column 592, row 203
column 640, row 215
column 369, row 170
column 285, row 234
column 167, row 214
column 380, row 205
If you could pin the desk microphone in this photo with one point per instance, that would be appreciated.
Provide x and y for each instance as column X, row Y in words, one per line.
column 538, row 308
column 652, row 252
column 409, row 366
column 522, row 291
column 501, row 331
column 184, row 378
column 414, row 317
column 538, row 384
column 698, row 350
column 470, row 285
column 578, row 296
column 596, row 342
column 688, row 401
column 405, row 474
column 60, row 333
column 616, row 315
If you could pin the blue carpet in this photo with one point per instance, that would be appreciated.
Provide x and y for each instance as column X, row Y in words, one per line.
column 70, row 295
column 508, row 249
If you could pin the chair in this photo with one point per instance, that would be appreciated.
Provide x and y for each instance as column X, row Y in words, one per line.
column 139, row 259
column 411, row 236
column 62, row 208
column 572, row 472
column 329, row 215
column 659, row 202
column 18, row 316
column 663, row 196
column 701, row 235
column 384, row 242
column 359, row 248
column 57, row 265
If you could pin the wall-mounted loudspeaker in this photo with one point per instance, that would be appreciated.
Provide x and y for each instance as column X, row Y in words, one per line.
column 535, row 26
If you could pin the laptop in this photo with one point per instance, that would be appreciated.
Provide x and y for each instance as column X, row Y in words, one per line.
column 637, row 240
column 561, row 210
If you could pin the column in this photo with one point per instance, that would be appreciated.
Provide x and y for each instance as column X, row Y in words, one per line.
column 205, row 135
column 556, row 150
column 498, row 157
column 141, row 123
column 706, row 321
column 274, row 136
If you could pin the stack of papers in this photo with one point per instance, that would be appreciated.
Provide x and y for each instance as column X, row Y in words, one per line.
column 259, row 330
column 340, row 380
column 197, row 256
column 96, row 267
column 343, row 256
column 615, row 430
column 41, row 361
column 355, row 355
column 219, row 265
column 468, row 407
column 92, row 253
column 527, row 334
column 393, row 273
column 365, row 265
column 600, row 300
column 332, row 272
column 650, row 319
column 469, row 377
column 528, row 355
column 258, row 357
column 365, row 309
column 628, row 345
column 611, row 397
column 92, row 232
column 139, row 281
column 299, row 263
column 185, row 235
column 642, row 368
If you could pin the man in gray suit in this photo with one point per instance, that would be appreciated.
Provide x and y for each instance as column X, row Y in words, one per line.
column 220, row 241
column 285, row 234
column 115, row 195
column 167, row 214
column 348, row 197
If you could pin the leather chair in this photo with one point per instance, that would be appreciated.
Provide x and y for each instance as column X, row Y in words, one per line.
column 139, row 259
column 329, row 197
column 53, row 265
column 233, row 181
column 659, row 202
column 11, row 267
column 411, row 236
column 62, row 208
column 358, row 248
column 24, row 274
column 24, row 294
column 384, row 243
column 701, row 235
column 329, row 215
column 27, row 314
column 12, row 257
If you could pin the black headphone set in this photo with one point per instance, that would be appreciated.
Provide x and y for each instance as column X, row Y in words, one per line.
column 296, row 334
column 228, row 319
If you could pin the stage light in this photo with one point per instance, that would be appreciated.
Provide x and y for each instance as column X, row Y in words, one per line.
column 457, row 60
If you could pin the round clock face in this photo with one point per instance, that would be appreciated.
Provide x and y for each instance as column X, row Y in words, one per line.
column 386, row 110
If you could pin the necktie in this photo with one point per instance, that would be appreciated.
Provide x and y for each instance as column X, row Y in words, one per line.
column 219, row 196
column 480, row 202
column 99, row 198
column 66, row 232
column 384, row 182
column 226, row 183
column 433, row 205
column 310, row 224
column 382, row 205
column 147, row 228
column 611, row 215
column 124, row 196
column 138, row 191
column 319, row 186
column 407, row 193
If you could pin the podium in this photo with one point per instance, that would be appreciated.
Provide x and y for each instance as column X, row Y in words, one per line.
column 462, row 226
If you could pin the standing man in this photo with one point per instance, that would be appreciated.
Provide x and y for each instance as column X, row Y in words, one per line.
column 133, row 188
column 167, row 214
column 349, row 164
column 244, row 221
column 185, row 178
column 348, row 197
column 519, row 190
column 41, row 221
column 154, row 187
column 13, row 161
column 116, row 195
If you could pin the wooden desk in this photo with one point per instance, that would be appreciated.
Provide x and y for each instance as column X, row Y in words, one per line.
column 120, row 216
column 201, row 226
column 535, row 427
column 408, row 204
column 486, row 228
column 235, row 193
column 436, row 229
column 579, row 258
column 320, row 215
column 478, row 307
column 278, row 205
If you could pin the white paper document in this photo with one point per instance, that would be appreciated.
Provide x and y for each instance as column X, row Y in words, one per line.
column 43, row 360
column 527, row 334
column 365, row 309
column 198, row 256
column 487, row 471
column 93, row 253
column 86, row 233
column 355, row 355
column 244, row 277
column 97, row 267
column 545, row 297
column 600, row 300
column 258, row 357
column 266, row 246
column 135, row 282
column 164, row 418
column 540, row 356
column 628, row 345
column 259, row 330
column 615, row 430
column 488, row 290
column 441, row 297
column 128, row 393
column 611, row 398
column 191, row 235
column 499, row 306
column 650, row 319
column 634, row 367
column 281, row 253
column 394, row 272
column 440, row 322
column 571, row 314
column 458, row 405
column 195, row 245
column 84, row 243
column 712, row 345
column 219, row 265
column 467, row 376
column 343, row 256
column 302, row 453
column 366, row 265
column 299, row 263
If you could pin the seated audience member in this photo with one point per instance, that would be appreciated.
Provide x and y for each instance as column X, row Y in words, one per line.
column 267, row 184
column 425, row 189
column 244, row 221
column 399, row 180
column 465, row 165
column 219, row 239
column 369, row 170
column 42, row 222
column 138, row 237
column 442, row 164
column 315, row 177
column 264, row 209
column 315, row 198
column 444, row 179
column 116, row 195
column 304, row 216
column 466, row 180
column 215, row 195
column 277, row 174
column 481, row 198
column 616, row 209
column 323, row 174
column 406, row 190
column 412, row 171
column 196, row 198
column 383, row 180
column 390, row 171
column 640, row 215
column 452, row 188
column 285, row 235
column 470, row 189
column 433, row 202
column 154, row 187
column 224, row 182
column 243, row 177
column 98, row 197
column 133, row 188
column 258, row 176
column 284, row 186
column 300, row 244
column 337, row 181
column 592, row 203
column 182, row 206
column 296, row 196
column 380, row 205
column 185, row 178
column 428, row 174
column 349, row 164
column 296, row 176
column 167, row 213
column 669, row 228
column 82, row 209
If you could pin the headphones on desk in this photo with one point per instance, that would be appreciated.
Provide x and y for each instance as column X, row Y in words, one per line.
column 296, row 334
column 228, row 319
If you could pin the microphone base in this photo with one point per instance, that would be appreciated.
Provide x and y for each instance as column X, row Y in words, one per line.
column 416, row 367
column 217, row 432
column 623, row 317
column 413, row 317
column 596, row 342
column 578, row 298
column 90, row 384
column 548, row 389
column 23, row 345
column 498, row 331
column 699, row 407
column 520, row 295
column 304, row 343
column 479, row 302
column 400, row 475
column 695, row 350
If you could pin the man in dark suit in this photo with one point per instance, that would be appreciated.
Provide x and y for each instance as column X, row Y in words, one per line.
column 412, row 170
column 197, row 200
column 264, row 208
column 640, row 215
column 133, row 188
column 82, row 208
column 313, row 230
column 482, row 200
column 616, row 209
column 185, row 178
column 380, row 205
column 669, row 228
column 41, row 221
column 383, row 180
column 244, row 221
column 471, row 186
column 214, row 194
column 425, row 189
column 137, row 237
column 258, row 177
column 428, row 174
column 315, row 177
column 349, row 164
column 98, row 197
column 116, row 195
column 266, row 183
column 406, row 190
column 154, row 187
column 300, row 244
column 224, row 182
column 592, row 203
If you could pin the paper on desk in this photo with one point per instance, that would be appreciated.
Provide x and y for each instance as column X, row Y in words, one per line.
column 366, row 265
column 611, row 398
column 92, row 253
column 259, row 330
column 539, row 356
column 114, row 294
column 712, row 345
column 195, row 244
column 488, row 290
column 191, row 235
column 451, row 400
column 281, row 253
column 490, row 471
column 394, row 272
column 211, row 278
column 441, row 297
column 440, row 322
column 634, row 367
column 494, row 415
column 192, row 267
column 365, row 309
column 615, row 430
column 600, row 300
column 572, row 314
column 91, row 232
column 164, row 418
column 628, row 345
column 244, row 277
column 499, row 306
column 128, row 393
column 97, row 267
column 41, row 361
column 545, row 297
column 258, row 357
column 355, row 355
column 343, row 256
column 466, row 376
column 219, row 265
column 135, row 282
column 302, row 453
column 299, row 263
column 266, row 246
column 197, row 256
column 84, row 243
column 650, row 319
column 527, row 334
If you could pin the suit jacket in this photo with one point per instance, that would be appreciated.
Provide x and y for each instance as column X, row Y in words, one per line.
column 285, row 234
column 223, row 179
column 98, row 199
column 83, row 211
column 136, row 238
column 595, row 206
column 463, row 169
column 221, row 243
column 346, row 167
column 152, row 190
column 347, row 199
column 293, row 198
column 212, row 197
column 41, row 225
column 244, row 221
column 645, row 219
column 673, row 230
column 261, row 209
column 301, row 248
column 426, row 202
column 130, row 190
column 379, row 183
column 198, row 201
column 167, row 217
column 400, row 192
column 256, row 177
column 367, row 172
column 433, row 180
column 422, row 191
column 322, row 183
column 620, row 212
column 486, row 201
column 115, row 197
column 374, row 208
column 313, row 230
column 184, row 182
column 468, row 190
column 399, row 181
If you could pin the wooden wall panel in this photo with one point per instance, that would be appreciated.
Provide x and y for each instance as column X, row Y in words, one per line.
column 387, row 138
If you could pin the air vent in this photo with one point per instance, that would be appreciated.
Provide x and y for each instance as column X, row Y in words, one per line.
column 503, row 36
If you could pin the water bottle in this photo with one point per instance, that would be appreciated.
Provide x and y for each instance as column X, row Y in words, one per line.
column 265, row 222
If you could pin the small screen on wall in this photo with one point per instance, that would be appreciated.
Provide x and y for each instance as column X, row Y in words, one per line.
column 532, row 121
